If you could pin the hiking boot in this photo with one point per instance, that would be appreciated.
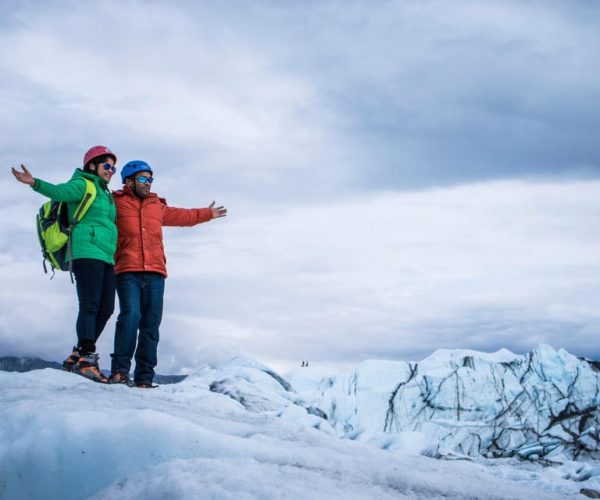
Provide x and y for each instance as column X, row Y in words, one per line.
column 145, row 385
column 88, row 367
column 72, row 360
column 119, row 378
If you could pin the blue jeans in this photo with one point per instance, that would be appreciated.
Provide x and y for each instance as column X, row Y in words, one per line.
column 95, row 283
column 141, row 303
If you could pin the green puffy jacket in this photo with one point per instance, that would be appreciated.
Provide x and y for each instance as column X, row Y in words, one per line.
column 94, row 236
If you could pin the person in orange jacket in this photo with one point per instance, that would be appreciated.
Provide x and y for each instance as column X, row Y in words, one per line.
column 140, row 266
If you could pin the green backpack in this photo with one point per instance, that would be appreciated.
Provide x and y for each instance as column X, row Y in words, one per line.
column 54, row 230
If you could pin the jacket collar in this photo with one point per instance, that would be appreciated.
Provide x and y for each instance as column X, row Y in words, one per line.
column 97, row 180
column 127, row 191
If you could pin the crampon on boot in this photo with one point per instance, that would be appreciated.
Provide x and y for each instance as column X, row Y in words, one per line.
column 72, row 360
column 145, row 385
column 120, row 378
column 88, row 367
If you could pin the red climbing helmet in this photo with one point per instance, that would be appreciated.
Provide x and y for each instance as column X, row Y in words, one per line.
column 97, row 151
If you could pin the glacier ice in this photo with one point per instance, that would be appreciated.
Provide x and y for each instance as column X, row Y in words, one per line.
column 540, row 406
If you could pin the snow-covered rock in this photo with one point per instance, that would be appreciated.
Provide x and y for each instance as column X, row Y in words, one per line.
column 257, row 388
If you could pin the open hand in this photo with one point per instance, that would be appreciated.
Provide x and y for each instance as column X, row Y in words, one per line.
column 25, row 177
column 217, row 211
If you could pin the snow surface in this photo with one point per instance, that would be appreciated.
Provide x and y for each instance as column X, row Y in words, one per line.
column 445, row 355
column 233, row 432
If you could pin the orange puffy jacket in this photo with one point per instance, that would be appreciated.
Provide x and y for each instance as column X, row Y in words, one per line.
column 139, row 222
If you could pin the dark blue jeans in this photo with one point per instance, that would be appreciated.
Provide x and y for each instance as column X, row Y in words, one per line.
column 95, row 282
column 141, row 303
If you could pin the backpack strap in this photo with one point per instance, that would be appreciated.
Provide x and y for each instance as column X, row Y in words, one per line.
column 88, row 198
column 86, row 202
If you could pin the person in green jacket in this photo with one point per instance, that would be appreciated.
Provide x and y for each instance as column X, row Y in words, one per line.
column 94, row 241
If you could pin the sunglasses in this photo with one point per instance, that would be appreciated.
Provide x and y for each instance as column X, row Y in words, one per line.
column 108, row 166
column 142, row 180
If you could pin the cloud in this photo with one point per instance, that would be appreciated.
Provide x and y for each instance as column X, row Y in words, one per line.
column 311, row 100
column 162, row 80
column 482, row 266
column 334, row 132
column 394, row 275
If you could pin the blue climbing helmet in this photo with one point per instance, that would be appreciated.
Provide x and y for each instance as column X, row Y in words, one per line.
column 133, row 167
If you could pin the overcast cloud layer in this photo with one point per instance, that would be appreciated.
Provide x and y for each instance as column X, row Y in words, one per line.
column 401, row 176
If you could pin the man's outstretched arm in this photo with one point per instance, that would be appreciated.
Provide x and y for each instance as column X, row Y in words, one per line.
column 173, row 216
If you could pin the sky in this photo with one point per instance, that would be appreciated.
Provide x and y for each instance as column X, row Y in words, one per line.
column 400, row 176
